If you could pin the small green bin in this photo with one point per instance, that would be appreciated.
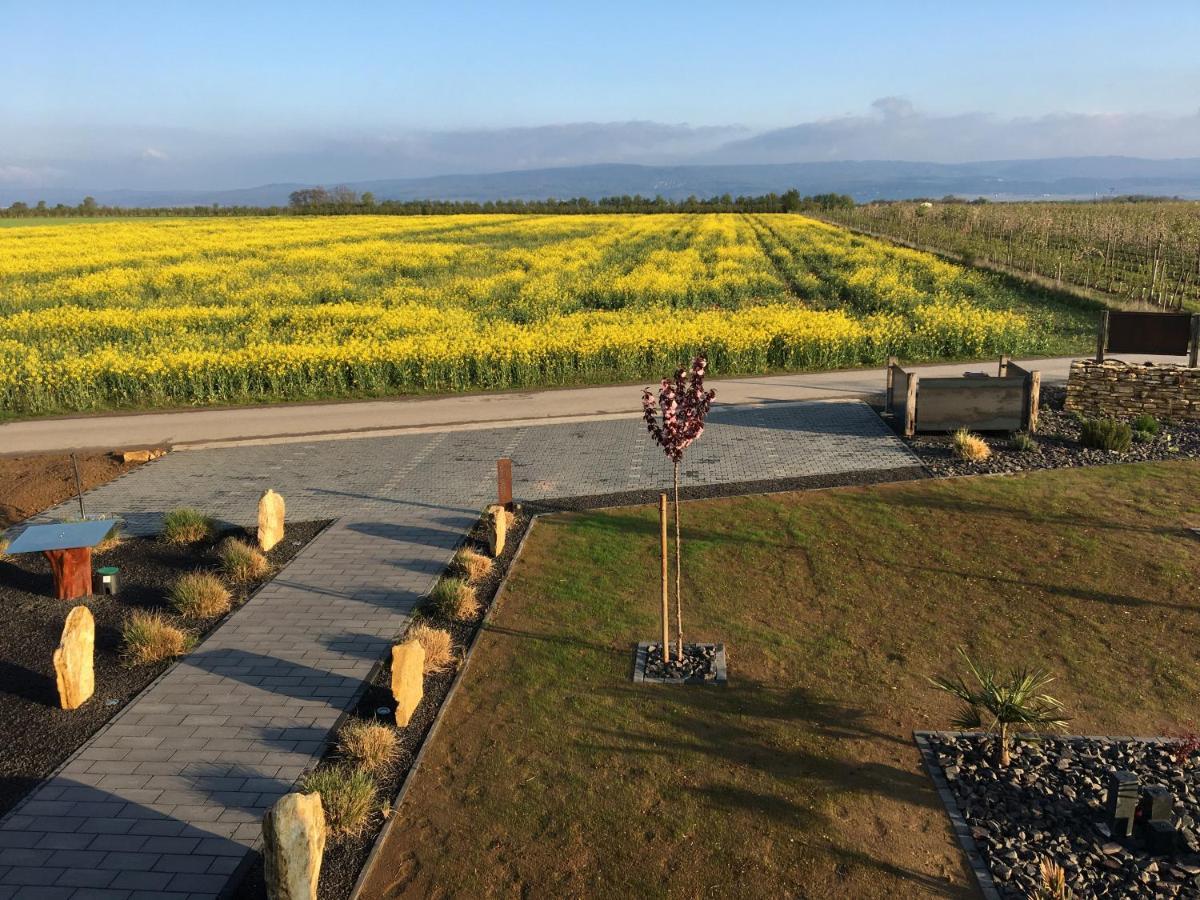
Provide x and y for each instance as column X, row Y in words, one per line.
column 107, row 580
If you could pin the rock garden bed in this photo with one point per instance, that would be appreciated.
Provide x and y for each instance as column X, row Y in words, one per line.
column 347, row 853
column 1050, row 804
column 39, row 735
column 1055, row 445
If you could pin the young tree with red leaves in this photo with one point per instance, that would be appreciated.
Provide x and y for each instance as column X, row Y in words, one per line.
column 683, row 404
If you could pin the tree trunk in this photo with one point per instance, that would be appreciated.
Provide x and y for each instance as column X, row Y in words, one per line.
column 678, row 575
column 1005, row 757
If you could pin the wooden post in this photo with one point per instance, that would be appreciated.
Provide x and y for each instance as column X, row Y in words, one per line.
column 1102, row 336
column 504, row 482
column 72, row 571
column 1004, row 366
column 910, row 406
column 666, row 609
column 1194, row 346
column 891, row 384
column 1034, row 382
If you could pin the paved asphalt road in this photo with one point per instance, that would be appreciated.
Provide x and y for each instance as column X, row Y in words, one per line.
column 285, row 423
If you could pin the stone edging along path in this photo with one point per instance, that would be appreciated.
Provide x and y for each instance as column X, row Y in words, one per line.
column 409, row 776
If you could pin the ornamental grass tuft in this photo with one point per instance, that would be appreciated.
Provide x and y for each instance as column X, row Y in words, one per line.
column 970, row 447
column 148, row 637
column 370, row 744
column 242, row 562
column 437, row 644
column 348, row 797
column 200, row 595
column 473, row 565
column 453, row 598
column 186, row 525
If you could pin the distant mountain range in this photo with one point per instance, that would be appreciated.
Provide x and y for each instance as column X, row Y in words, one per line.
column 1058, row 178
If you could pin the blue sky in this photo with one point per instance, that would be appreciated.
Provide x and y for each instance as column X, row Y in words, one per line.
column 107, row 91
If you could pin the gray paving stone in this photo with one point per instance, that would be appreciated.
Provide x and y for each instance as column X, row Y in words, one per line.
column 170, row 796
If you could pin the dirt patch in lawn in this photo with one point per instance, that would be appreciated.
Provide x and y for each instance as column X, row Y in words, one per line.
column 32, row 483
column 39, row 735
column 554, row 775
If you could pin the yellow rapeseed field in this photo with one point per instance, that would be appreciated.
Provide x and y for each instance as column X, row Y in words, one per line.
column 139, row 313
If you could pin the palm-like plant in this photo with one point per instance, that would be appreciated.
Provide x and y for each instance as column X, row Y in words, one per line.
column 1014, row 703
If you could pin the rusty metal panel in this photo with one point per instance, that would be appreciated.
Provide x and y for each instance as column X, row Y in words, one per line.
column 1149, row 332
column 991, row 404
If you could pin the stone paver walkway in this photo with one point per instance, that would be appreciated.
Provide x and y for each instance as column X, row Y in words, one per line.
column 166, row 800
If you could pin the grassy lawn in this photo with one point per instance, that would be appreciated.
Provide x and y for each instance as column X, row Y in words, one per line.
column 555, row 776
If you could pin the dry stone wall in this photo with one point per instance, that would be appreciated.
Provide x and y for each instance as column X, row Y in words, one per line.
column 1118, row 389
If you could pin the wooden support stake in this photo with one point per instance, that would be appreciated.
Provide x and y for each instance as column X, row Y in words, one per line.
column 1194, row 346
column 504, row 482
column 891, row 383
column 1034, row 382
column 1004, row 366
column 1102, row 336
column 910, row 405
column 666, row 609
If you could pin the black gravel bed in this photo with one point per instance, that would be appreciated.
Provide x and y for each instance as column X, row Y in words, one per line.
column 699, row 663
column 1050, row 802
column 345, row 858
column 1058, row 446
column 39, row 736
column 733, row 489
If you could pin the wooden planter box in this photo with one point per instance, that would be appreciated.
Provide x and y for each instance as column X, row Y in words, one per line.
column 1007, row 402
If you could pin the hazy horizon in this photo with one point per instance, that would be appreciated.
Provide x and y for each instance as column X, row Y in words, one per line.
column 229, row 96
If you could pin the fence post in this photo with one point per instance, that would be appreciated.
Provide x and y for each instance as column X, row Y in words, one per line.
column 1034, row 383
column 1102, row 336
column 910, row 405
column 891, row 383
column 1194, row 346
column 1004, row 365
column 504, row 482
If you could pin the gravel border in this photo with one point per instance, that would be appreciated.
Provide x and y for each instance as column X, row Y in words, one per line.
column 957, row 823
column 1058, row 447
column 927, row 743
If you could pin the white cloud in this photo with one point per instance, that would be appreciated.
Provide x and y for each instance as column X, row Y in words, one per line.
column 153, row 153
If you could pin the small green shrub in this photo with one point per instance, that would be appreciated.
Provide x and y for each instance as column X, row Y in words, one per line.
column 200, row 595
column 241, row 562
column 1022, row 442
column 187, row 526
column 1106, row 434
column 1146, row 424
column 348, row 797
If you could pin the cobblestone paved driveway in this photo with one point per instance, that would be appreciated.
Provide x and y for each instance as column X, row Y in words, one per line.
column 167, row 799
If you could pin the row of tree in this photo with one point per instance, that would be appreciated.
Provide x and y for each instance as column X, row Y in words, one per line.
column 343, row 201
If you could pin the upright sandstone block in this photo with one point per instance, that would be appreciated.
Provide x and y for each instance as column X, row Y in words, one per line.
column 497, row 529
column 270, row 520
column 408, row 672
column 74, row 659
column 293, row 845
